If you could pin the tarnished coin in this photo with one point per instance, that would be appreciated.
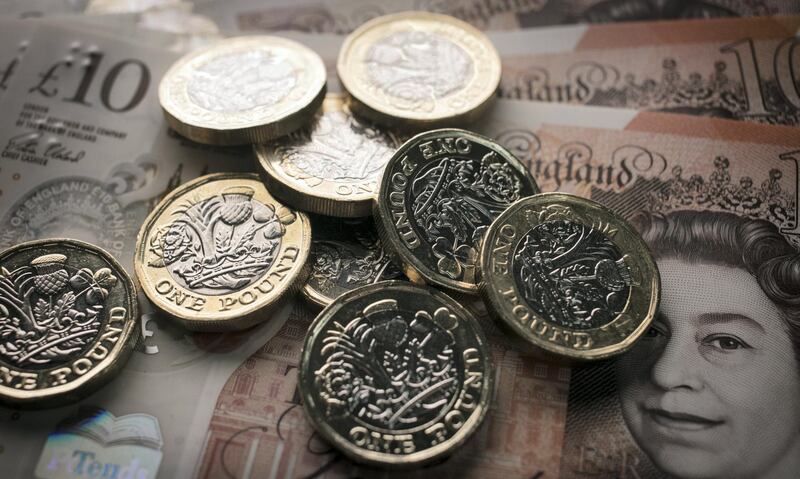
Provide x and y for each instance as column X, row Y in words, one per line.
column 331, row 167
column 439, row 193
column 569, row 276
column 243, row 90
column 345, row 255
column 68, row 321
column 395, row 375
column 219, row 252
column 419, row 70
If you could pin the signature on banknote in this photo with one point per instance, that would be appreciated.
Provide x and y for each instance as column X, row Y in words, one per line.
column 27, row 146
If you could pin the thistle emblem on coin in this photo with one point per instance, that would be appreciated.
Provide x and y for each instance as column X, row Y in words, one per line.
column 49, row 310
column 572, row 274
column 390, row 368
column 338, row 148
column 221, row 244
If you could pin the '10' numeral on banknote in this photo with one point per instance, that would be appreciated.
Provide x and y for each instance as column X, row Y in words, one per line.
column 91, row 65
column 748, row 67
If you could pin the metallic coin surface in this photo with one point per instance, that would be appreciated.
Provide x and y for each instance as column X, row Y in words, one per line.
column 345, row 255
column 243, row 90
column 68, row 321
column 219, row 252
column 439, row 194
column 395, row 375
column 331, row 167
column 569, row 276
column 419, row 69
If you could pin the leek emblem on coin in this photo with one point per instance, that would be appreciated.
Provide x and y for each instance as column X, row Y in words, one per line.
column 345, row 255
column 569, row 276
column 243, row 90
column 395, row 375
column 419, row 69
column 439, row 194
column 68, row 317
column 332, row 167
column 219, row 249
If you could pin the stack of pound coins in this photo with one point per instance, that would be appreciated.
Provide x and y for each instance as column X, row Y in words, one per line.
column 373, row 205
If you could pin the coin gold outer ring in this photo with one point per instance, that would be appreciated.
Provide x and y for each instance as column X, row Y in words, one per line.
column 322, row 198
column 608, row 340
column 414, row 269
column 211, row 318
column 259, row 124
column 378, row 459
column 110, row 366
column 314, row 298
column 466, row 106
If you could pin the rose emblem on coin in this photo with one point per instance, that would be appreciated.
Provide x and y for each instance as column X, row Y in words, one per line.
column 219, row 252
column 222, row 243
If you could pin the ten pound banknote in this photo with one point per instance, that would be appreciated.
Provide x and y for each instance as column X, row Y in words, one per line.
column 85, row 153
column 343, row 16
column 718, row 368
column 744, row 69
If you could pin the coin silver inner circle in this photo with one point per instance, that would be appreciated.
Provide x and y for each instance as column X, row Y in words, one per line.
column 571, row 274
column 389, row 368
column 242, row 81
column 418, row 66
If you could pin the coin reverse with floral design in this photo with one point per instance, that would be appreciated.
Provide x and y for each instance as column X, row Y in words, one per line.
column 419, row 69
column 333, row 166
column 569, row 276
column 439, row 193
column 395, row 375
column 219, row 252
column 68, row 321
column 345, row 254
column 243, row 90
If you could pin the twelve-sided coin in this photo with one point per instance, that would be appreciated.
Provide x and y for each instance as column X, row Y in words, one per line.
column 243, row 90
column 68, row 321
column 331, row 167
column 219, row 252
column 345, row 255
column 419, row 70
column 395, row 375
column 438, row 195
column 569, row 276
